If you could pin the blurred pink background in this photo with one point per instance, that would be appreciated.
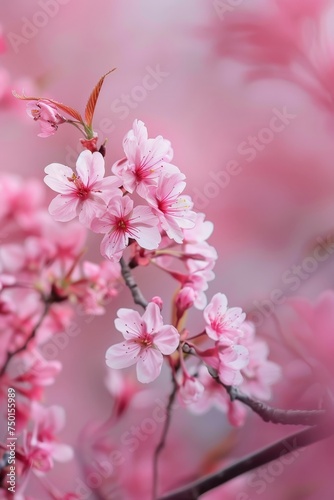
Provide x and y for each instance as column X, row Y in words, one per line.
column 268, row 218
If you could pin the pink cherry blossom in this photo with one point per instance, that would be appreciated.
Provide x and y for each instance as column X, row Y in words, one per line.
column 190, row 390
column 214, row 395
column 48, row 116
column 173, row 210
column 260, row 373
column 147, row 339
column 121, row 222
column 146, row 159
column 231, row 361
column 83, row 193
column 223, row 323
column 40, row 445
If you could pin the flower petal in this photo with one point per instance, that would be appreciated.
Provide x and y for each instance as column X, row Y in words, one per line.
column 122, row 355
column 149, row 365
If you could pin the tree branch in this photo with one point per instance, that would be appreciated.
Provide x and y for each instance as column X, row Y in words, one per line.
column 136, row 293
column 162, row 441
column 270, row 414
column 281, row 448
column 275, row 415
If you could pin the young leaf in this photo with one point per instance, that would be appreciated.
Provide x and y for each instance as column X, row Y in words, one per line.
column 90, row 107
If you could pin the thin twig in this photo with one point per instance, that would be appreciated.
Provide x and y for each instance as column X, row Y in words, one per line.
column 277, row 450
column 162, row 441
column 10, row 355
column 137, row 295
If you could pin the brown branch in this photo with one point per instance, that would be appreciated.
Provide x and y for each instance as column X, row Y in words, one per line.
column 136, row 293
column 162, row 441
column 281, row 448
column 275, row 415
column 269, row 413
column 10, row 355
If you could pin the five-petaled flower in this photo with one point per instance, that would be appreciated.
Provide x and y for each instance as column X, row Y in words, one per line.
column 84, row 193
column 121, row 222
column 147, row 339
column 223, row 323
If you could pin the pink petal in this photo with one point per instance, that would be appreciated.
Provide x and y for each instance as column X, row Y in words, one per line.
column 113, row 243
column 90, row 167
column 129, row 323
column 167, row 339
column 89, row 209
column 64, row 207
column 152, row 318
column 122, row 355
column 147, row 237
column 57, row 178
column 149, row 365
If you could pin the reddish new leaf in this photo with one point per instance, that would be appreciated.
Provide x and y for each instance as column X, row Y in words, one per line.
column 67, row 109
column 90, row 107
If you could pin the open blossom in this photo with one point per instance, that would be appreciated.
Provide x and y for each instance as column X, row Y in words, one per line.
column 146, row 159
column 48, row 116
column 260, row 373
column 121, row 222
column 173, row 210
column 223, row 323
column 232, row 360
column 83, row 193
column 147, row 339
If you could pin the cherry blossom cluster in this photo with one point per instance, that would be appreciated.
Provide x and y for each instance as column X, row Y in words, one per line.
column 140, row 207
column 43, row 278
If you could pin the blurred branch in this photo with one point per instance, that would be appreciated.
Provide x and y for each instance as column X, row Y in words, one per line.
column 162, row 441
column 281, row 448
column 136, row 293
column 10, row 355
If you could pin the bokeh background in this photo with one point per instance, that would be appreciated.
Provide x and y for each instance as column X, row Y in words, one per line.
column 225, row 69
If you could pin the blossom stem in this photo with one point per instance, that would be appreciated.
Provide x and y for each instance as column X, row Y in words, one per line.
column 162, row 441
column 289, row 444
column 136, row 293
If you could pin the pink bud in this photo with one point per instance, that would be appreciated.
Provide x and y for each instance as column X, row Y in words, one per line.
column 158, row 301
